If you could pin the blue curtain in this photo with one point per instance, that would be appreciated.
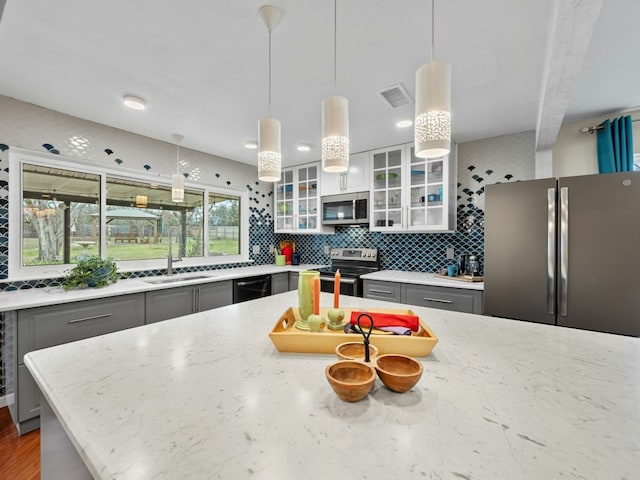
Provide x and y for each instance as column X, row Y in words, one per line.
column 615, row 145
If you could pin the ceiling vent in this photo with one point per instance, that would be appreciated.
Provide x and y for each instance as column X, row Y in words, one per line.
column 396, row 96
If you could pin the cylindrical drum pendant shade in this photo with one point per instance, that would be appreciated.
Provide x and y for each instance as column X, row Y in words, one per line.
column 433, row 110
column 177, row 187
column 269, row 158
column 335, row 134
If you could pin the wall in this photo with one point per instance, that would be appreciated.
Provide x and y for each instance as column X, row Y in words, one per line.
column 575, row 153
column 35, row 128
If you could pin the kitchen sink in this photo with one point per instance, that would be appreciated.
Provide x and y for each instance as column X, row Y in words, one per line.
column 165, row 280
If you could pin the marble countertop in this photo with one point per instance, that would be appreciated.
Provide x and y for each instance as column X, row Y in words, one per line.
column 38, row 297
column 421, row 278
column 209, row 396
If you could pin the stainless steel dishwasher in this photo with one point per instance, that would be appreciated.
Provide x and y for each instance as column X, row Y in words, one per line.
column 251, row 287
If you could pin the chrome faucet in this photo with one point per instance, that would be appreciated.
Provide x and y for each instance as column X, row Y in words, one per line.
column 170, row 259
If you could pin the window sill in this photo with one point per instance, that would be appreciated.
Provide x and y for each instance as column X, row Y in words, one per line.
column 59, row 271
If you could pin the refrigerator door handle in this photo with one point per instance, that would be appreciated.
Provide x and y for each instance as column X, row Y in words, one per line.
column 551, row 251
column 564, row 251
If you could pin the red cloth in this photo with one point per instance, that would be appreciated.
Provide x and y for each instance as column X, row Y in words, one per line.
column 287, row 251
column 387, row 320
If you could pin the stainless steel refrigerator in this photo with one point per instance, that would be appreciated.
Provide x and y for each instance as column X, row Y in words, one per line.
column 565, row 251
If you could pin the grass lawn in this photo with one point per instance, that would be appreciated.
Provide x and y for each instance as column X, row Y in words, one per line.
column 127, row 251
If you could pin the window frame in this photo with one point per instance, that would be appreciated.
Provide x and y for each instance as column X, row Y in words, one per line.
column 17, row 272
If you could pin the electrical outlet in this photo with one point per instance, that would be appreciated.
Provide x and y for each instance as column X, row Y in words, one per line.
column 272, row 248
column 256, row 249
column 450, row 253
column 327, row 249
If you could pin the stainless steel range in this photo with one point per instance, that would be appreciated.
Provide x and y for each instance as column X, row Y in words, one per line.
column 352, row 263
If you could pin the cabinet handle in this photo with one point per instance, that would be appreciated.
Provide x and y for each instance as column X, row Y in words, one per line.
column 375, row 290
column 85, row 319
column 438, row 300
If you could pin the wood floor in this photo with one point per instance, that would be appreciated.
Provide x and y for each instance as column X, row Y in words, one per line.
column 19, row 456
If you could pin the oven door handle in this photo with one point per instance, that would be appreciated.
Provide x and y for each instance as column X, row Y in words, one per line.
column 349, row 281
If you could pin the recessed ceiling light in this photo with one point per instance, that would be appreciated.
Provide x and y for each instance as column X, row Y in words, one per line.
column 251, row 144
column 303, row 147
column 135, row 103
column 404, row 123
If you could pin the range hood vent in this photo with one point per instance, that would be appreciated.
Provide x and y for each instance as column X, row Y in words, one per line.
column 396, row 96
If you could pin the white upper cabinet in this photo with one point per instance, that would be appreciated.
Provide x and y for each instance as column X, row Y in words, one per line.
column 356, row 179
column 297, row 206
column 411, row 194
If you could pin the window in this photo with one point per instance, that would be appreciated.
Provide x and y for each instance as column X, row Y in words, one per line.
column 59, row 208
column 224, row 224
column 141, row 217
column 69, row 209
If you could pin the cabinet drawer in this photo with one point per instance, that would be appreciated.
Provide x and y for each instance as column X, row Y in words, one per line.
column 43, row 327
column 456, row 299
column 389, row 291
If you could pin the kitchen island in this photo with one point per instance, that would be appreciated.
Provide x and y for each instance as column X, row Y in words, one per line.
column 209, row 396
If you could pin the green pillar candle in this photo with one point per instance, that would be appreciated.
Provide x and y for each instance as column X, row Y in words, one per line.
column 305, row 297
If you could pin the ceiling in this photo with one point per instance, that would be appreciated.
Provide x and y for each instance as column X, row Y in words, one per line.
column 203, row 69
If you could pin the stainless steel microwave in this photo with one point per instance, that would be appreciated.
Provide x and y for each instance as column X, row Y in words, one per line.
column 345, row 209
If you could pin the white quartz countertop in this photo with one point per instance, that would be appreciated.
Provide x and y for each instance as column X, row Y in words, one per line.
column 209, row 396
column 421, row 278
column 38, row 297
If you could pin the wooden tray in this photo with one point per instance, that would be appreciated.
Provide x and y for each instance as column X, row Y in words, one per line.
column 462, row 278
column 287, row 338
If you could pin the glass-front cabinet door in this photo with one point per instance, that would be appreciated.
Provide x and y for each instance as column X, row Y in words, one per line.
column 412, row 194
column 297, row 201
column 427, row 199
column 283, row 208
column 308, row 199
column 387, row 189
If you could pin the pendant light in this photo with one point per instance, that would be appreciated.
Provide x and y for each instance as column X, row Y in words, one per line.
column 335, row 120
column 269, row 156
column 433, row 105
column 177, row 179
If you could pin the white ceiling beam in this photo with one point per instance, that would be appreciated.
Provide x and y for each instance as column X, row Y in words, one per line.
column 571, row 26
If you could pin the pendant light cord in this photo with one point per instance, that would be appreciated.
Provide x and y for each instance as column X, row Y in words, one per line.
column 433, row 35
column 177, row 156
column 335, row 43
column 269, row 108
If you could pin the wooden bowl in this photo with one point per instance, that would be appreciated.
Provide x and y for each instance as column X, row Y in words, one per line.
column 399, row 373
column 355, row 351
column 350, row 379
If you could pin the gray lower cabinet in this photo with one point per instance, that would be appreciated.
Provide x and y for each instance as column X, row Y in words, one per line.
column 169, row 303
column 279, row 283
column 444, row 298
column 178, row 301
column 43, row 327
column 378, row 290
column 293, row 280
column 214, row 295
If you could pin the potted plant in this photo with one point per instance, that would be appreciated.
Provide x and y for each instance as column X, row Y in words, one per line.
column 91, row 271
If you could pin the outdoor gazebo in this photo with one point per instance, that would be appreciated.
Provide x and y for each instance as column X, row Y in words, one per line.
column 126, row 214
